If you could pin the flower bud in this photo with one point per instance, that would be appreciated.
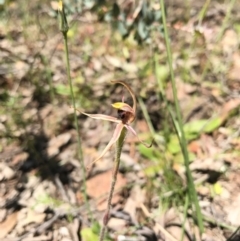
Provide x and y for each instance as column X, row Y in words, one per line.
column 63, row 24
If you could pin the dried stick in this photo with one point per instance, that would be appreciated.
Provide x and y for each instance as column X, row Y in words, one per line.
column 162, row 229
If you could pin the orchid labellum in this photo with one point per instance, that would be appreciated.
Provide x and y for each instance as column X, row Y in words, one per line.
column 126, row 115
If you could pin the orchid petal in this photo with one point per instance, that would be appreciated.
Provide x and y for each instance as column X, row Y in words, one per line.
column 130, row 91
column 115, row 137
column 129, row 128
column 123, row 106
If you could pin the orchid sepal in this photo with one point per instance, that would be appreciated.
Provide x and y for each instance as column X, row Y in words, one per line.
column 102, row 117
column 129, row 128
column 115, row 137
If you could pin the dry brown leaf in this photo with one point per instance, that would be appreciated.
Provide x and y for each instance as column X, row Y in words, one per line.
column 114, row 61
column 194, row 146
column 183, row 90
column 99, row 185
column 170, row 216
column 54, row 5
column 3, row 214
column 137, row 197
column 52, row 151
column 105, row 78
column 54, row 118
column 130, row 67
column 102, row 204
column 96, row 64
column 234, row 71
column 230, row 41
column 130, row 208
column 6, row 172
column 64, row 232
column 8, row 224
column 21, row 69
column 57, row 142
column 229, row 106
column 233, row 211
column 45, row 111
column 208, row 145
column 20, row 158
column 39, row 238
column 33, row 217
column 117, row 224
column 142, row 126
column 176, row 231
column 60, row 140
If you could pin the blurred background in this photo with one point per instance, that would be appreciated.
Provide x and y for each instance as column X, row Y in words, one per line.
column 41, row 177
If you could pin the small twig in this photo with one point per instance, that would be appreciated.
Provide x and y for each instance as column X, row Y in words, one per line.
column 59, row 212
column 208, row 218
column 61, row 189
column 162, row 229
column 74, row 228
column 41, row 228
column 48, row 223
column 234, row 235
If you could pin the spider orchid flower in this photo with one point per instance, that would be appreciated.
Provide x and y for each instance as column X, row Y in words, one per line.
column 126, row 115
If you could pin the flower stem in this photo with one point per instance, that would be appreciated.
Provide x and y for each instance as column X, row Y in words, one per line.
column 80, row 154
column 106, row 216
column 63, row 25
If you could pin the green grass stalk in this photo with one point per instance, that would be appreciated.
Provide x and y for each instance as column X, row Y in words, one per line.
column 119, row 145
column 64, row 29
column 191, row 188
column 203, row 11
column 146, row 116
column 185, row 216
column 49, row 78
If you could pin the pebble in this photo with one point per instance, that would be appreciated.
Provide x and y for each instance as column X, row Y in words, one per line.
column 3, row 213
column 64, row 231
column 6, row 172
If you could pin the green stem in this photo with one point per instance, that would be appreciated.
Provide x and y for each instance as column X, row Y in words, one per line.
column 119, row 146
column 80, row 154
column 191, row 188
